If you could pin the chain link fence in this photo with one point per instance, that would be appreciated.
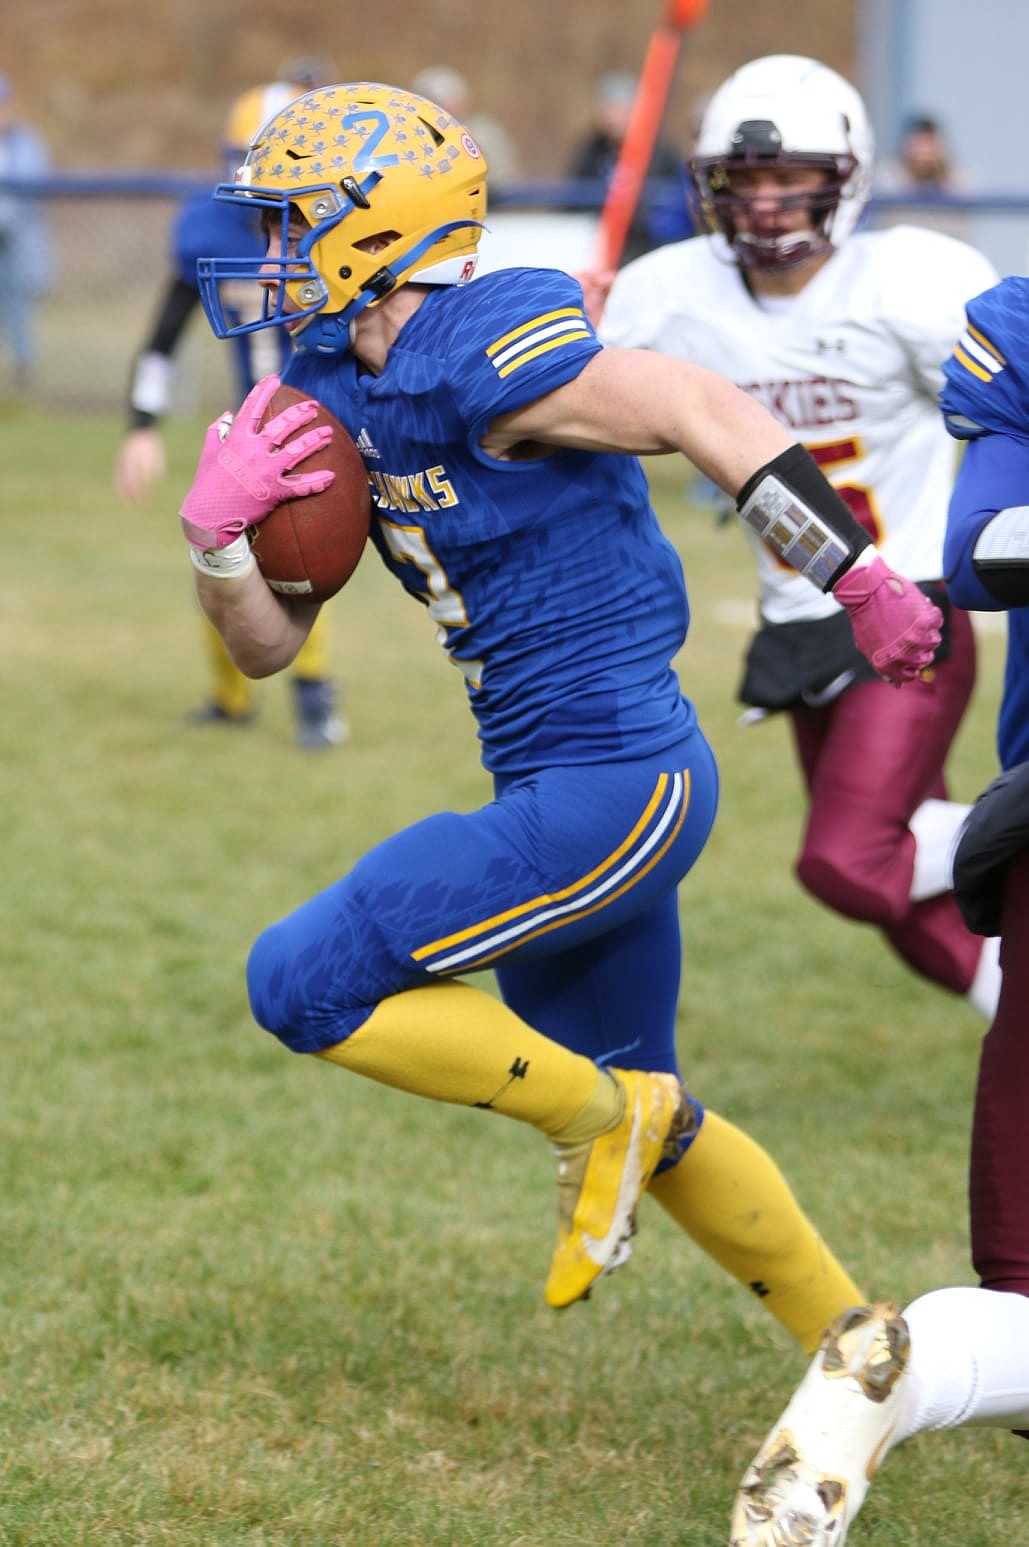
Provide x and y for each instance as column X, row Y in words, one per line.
column 113, row 261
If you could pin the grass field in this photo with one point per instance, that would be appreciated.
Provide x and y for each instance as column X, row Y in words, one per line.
column 248, row 1299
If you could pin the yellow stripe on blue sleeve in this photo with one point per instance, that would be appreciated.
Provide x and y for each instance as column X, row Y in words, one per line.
column 980, row 338
column 549, row 331
column 974, row 351
column 966, row 360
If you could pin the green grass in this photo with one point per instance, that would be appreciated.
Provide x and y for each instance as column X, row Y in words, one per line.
column 247, row 1299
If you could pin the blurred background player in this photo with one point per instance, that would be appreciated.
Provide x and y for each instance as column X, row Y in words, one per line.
column 843, row 336
column 26, row 243
column 959, row 1356
column 449, row 89
column 662, row 214
column 205, row 226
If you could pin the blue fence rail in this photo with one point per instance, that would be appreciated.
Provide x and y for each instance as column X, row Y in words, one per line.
column 111, row 235
column 535, row 193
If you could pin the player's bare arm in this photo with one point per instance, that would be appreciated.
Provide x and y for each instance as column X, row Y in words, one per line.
column 641, row 403
column 634, row 401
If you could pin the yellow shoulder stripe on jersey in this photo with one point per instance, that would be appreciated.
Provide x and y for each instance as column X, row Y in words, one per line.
column 970, row 365
column 537, row 322
column 543, row 349
column 975, row 352
column 992, row 349
column 532, row 339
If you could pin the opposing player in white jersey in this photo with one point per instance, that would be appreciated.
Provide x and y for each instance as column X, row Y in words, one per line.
column 842, row 335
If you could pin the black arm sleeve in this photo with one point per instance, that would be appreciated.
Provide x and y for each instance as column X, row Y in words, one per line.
column 179, row 302
column 795, row 473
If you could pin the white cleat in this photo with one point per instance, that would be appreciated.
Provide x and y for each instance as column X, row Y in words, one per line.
column 810, row 1477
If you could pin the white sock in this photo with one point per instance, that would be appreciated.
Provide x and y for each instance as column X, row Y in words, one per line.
column 969, row 1361
column 985, row 989
column 935, row 826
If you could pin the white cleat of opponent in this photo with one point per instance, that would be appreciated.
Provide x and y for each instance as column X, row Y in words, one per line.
column 810, row 1477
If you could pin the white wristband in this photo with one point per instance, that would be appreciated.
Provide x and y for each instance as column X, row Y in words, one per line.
column 152, row 384
column 224, row 563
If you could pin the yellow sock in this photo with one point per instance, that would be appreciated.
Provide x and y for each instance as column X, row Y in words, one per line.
column 730, row 1196
column 312, row 659
column 452, row 1042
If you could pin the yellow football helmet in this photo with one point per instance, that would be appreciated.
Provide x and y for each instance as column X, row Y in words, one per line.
column 386, row 187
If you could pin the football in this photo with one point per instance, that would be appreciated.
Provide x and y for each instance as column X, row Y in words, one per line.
column 309, row 547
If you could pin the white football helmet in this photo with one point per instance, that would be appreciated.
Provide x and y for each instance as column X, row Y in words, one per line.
column 361, row 187
column 785, row 110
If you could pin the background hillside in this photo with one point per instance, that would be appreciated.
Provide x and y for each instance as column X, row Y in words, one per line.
column 118, row 84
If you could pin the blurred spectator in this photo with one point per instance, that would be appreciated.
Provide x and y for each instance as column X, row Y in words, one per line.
column 923, row 163
column 26, row 245
column 206, row 228
column 449, row 89
column 924, row 168
column 662, row 214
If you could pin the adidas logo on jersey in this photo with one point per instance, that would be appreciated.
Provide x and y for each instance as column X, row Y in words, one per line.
column 365, row 445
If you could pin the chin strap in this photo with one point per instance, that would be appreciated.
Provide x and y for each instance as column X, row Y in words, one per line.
column 780, row 252
column 332, row 333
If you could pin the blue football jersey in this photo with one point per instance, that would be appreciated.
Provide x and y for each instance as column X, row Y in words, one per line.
column 987, row 376
column 206, row 227
column 986, row 401
column 551, row 584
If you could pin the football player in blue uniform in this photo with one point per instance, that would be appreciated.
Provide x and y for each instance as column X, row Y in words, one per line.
column 956, row 1356
column 500, row 440
column 203, row 226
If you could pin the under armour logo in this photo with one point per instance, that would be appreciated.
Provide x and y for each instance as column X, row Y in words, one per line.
column 828, row 345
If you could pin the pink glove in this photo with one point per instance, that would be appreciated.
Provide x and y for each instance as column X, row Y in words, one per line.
column 895, row 625
column 242, row 474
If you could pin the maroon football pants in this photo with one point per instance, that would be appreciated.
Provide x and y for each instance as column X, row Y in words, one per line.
column 869, row 759
column 999, row 1176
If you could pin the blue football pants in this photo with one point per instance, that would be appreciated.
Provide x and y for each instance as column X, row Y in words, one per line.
column 565, row 885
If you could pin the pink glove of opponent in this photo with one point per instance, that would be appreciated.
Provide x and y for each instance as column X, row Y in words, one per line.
column 895, row 625
column 243, row 468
